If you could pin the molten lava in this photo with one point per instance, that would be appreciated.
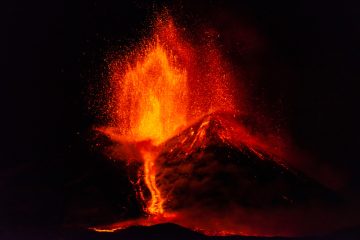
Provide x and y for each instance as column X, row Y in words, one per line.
column 158, row 92
column 155, row 205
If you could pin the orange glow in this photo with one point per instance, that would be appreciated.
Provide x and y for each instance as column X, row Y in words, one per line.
column 152, row 103
column 152, row 98
column 158, row 92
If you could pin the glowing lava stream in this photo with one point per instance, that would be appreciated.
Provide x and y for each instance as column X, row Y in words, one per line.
column 155, row 206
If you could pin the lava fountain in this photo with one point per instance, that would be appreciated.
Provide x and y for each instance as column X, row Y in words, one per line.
column 158, row 92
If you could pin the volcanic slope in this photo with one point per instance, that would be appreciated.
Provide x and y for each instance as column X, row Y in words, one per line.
column 216, row 163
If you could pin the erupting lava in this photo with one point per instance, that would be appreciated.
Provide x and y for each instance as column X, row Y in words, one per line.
column 158, row 90
column 152, row 104
column 203, row 163
column 152, row 97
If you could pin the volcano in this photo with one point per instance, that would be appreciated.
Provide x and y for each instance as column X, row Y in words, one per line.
column 215, row 174
column 212, row 164
column 196, row 155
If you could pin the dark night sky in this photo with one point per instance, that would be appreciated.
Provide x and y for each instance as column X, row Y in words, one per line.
column 52, row 51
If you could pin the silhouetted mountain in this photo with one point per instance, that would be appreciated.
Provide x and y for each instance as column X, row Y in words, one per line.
column 213, row 163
